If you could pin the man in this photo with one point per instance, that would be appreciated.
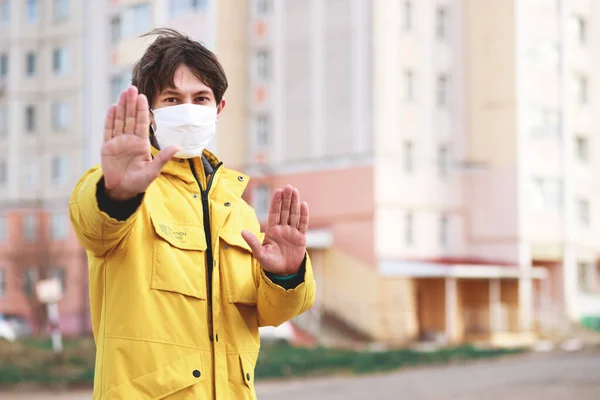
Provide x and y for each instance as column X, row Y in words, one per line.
column 179, row 281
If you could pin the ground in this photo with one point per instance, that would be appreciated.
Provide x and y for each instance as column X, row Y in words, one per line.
column 547, row 376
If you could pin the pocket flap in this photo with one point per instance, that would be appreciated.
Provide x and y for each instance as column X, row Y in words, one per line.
column 247, row 372
column 162, row 382
column 236, row 239
column 186, row 237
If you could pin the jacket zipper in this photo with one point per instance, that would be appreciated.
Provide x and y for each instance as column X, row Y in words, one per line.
column 209, row 249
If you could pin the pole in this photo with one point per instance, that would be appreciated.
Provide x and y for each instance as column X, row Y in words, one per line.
column 53, row 319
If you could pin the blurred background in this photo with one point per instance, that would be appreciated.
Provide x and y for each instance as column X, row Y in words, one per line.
column 447, row 148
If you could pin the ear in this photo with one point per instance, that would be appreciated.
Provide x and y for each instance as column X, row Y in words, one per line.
column 220, row 108
column 152, row 122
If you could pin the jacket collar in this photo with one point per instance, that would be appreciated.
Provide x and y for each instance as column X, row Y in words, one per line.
column 180, row 167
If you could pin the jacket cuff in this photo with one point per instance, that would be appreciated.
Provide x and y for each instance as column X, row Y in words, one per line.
column 289, row 282
column 119, row 210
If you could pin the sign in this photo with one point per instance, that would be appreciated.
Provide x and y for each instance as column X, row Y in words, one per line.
column 49, row 291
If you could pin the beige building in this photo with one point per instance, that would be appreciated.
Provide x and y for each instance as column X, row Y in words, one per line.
column 62, row 63
column 446, row 150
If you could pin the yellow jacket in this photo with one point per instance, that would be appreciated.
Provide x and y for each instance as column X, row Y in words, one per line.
column 150, row 297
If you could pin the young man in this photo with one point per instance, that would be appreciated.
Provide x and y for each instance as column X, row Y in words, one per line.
column 179, row 281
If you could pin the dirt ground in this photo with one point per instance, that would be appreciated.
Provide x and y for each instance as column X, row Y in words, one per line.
column 547, row 376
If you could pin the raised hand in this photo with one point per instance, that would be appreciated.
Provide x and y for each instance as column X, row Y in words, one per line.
column 284, row 245
column 127, row 162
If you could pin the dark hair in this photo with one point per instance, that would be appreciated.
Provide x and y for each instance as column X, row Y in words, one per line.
column 156, row 69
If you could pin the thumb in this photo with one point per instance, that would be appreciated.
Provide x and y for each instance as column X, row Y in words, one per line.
column 162, row 158
column 253, row 242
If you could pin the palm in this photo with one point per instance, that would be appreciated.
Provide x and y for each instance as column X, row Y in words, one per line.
column 127, row 162
column 284, row 245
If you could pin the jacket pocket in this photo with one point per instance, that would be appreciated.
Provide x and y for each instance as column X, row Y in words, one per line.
column 162, row 382
column 237, row 266
column 179, row 259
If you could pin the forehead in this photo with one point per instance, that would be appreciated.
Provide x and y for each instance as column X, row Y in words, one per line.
column 184, row 80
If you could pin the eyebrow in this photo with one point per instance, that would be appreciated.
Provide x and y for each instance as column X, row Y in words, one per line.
column 176, row 92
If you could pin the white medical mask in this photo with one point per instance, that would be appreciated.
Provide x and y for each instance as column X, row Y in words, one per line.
column 190, row 127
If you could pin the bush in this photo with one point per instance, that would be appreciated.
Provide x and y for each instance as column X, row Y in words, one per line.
column 33, row 362
column 285, row 361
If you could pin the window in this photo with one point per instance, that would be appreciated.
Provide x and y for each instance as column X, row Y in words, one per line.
column 30, row 227
column 183, row 7
column 408, row 157
column 61, row 9
column 263, row 7
column 136, row 20
column 443, row 161
column 442, row 91
column 582, row 148
column 58, row 273
column 58, row 226
column 583, row 212
column 581, row 87
column 443, row 231
column 262, row 61
column 407, row 16
column 3, row 120
column 260, row 201
column 3, row 174
column 409, row 85
column 2, row 282
column 30, row 119
column 115, row 29
column 545, row 122
column 408, row 230
column 3, row 229
column 441, row 23
column 61, row 115
column 141, row 18
column 31, row 175
column 579, row 29
column 4, row 12
column 583, row 281
column 3, row 65
column 60, row 61
column 262, row 131
column 59, row 170
column 33, row 10
column 30, row 64
column 547, row 194
column 116, row 85
column 30, row 278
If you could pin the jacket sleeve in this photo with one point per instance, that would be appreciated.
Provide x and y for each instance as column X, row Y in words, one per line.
column 276, row 304
column 98, row 231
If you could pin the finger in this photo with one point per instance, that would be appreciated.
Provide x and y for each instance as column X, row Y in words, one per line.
column 295, row 209
column 253, row 242
column 285, row 205
column 130, row 110
column 275, row 209
column 120, row 115
column 160, row 160
column 303, row 225
column 143, row 117
column 109, row 124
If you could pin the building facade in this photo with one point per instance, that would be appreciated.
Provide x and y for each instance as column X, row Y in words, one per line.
column 446, row 150
column 62, row 63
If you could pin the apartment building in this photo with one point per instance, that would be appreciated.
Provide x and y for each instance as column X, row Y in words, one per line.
column 62, row 63
column 446, row 150
column 42, row 140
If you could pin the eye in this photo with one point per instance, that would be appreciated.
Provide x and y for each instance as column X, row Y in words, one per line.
column 202, row 99
column 171, row 100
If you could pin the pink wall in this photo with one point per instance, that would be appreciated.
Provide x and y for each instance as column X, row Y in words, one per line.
column 341, row 200
column 66, row 254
